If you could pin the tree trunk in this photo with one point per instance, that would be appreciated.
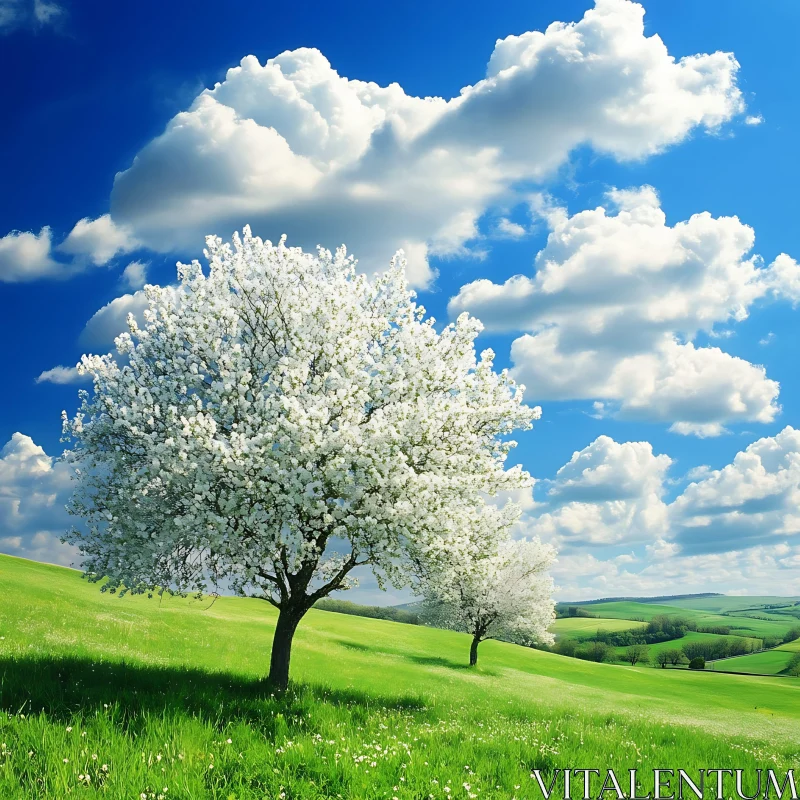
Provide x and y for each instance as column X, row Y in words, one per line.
column 473, row 651
column 288, row 620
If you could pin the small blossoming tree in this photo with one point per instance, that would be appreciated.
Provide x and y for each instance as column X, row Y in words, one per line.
column 505, row 595
column 280, row 420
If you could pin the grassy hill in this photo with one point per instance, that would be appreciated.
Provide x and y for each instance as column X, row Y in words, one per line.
column 769, row 662
column 720, row 604
column 581, row 628
column 740, row 625
column 688, row 638
column 136, row 695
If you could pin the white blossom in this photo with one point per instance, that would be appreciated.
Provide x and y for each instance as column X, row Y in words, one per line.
column 281, row 419
column 503, row 595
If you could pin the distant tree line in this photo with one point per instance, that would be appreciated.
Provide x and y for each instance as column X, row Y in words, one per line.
column 665, row 628
column 793, row 667
column 374, row 612
column 661, row 628
column 573, row 611
column 589, row 651
column 664, row 598
column 636, row 654
column 671, row 656
column 711, row 649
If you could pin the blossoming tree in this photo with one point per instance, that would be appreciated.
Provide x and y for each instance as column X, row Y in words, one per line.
column 280, row 420
column 505, row 595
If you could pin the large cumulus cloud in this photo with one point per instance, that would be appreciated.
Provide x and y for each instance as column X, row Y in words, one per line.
column 609, row 493
column 764, row 570
column 27, row 256
column 615, row 302
column 33, row 491
column 735, row 529
column 293, row 147
column 754, row 500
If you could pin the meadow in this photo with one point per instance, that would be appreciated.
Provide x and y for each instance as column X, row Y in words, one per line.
column 132, row 697
column 581, row 628
column 677, row 644
column 722, row 604
column 750, row 620
column 769, row 662
column 740, row 625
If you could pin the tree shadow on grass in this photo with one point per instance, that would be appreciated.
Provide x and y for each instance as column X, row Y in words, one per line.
column 357, row 646
column 439, row 661
column 425, row 661
column 61, row 687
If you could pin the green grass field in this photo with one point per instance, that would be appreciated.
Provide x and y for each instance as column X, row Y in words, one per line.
column 131, row 698
column 677, row 644
column 763, row 615
column 581, row 628
column 629, row 609
column 739, row 625
column 724, row 603
column 770, row 662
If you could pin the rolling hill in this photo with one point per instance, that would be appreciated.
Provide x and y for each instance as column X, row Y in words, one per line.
column 739, row 624
column 581, row 628
column 136, row 694
column 768, row 662
column 721, row 604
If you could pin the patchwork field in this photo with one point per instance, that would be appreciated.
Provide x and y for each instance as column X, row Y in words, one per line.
column 770, row 662
column 581, row 628
column 740, row 625
column 677, row 644
column 142, row 698
column 724, row 604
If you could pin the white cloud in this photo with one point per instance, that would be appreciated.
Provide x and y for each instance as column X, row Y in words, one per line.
column 732, row 529
column 754, row 500
column 62, row 375
column 702, row 430
column 753, row 119
column 613, row 306
column 46, row 13
column 26, row 256
column 98, row 240
column 293, row 147
column 721, row 333
column 735, row 529
column 10, row 14
column 506, row 229
column 134, row 276
column 662, row 549
column 783, row 278
column 16, row 14
column 696, row 389
column 698, row 473
column 33, row 491
column 764, row 570
column 111, row 320
column 607, row 494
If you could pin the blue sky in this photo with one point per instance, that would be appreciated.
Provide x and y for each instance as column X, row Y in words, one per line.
column 646, row 355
